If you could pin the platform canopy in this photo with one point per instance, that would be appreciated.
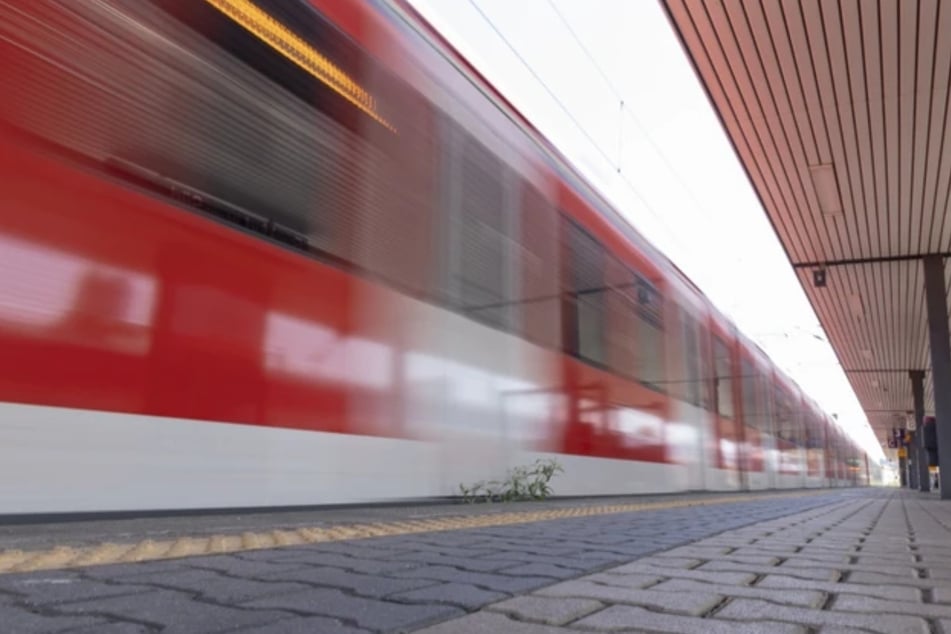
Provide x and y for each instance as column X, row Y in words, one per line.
column 839, row 112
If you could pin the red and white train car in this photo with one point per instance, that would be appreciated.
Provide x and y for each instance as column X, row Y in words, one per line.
column 272, row 252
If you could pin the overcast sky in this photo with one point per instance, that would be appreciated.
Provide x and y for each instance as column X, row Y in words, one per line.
column 680, row 182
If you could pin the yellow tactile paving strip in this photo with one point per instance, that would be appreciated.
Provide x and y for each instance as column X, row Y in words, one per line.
column 60, row 557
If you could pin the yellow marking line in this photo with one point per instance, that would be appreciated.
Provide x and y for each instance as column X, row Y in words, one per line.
column 60, row 557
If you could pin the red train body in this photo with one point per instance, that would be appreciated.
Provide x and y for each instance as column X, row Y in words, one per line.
column 278, row 253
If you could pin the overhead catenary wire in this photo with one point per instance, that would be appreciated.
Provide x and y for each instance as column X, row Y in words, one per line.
column 574, row 120
column 618, row 95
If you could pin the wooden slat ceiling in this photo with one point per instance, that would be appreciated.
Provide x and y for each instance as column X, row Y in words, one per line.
column 862, row 86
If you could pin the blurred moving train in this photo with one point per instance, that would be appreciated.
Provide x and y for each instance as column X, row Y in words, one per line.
column 278, row 252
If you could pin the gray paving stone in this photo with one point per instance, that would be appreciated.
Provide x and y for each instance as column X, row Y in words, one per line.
column 304, row 625
column 367, row 613
column 385, row 550
column 475, row 564
column 374, row 586
column 858, row 603
column 513, row 558
column 754, row 609
column 623, row 581
column 820, row 574
column 221, row 589
column 239, row 567
column 540, row 570
column 679, row 563
column 51, row 588
column 696, row 552
column 175, row 611
column 461, row 594
column 758, row 560
column 634, row 619
column 895, row 559
column 111, row 628
column 692, row 604
column 498, row 583
column 21, row 621
column 892, row 592
column 731, row 577
column 402, row 548
column 725, row 541
column 786, row 596
column 576, row 549
column 125, row 571
column 10, row 581
column 837, row 556
column 881, row 579
column 941, row 594
column 490, row 623
column 907, row 571
column 770, row 547
column 546, row 610
column 334, row 560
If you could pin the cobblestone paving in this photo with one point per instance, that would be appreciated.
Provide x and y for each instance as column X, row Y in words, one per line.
column 841, row 561
column 879, row 562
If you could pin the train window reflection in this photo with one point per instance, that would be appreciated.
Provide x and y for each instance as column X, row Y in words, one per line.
column 311, row 351
column 638, row 428
column 64, row 296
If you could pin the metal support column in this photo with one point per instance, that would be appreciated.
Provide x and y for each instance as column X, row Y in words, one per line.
column 912, row 463
column 936, row 298
column 921, row 454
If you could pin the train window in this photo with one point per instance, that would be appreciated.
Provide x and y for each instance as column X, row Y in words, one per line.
column 584, row 279
column 723, row 381
column 650, row 333
column 194, row 102
column 764, row 402
column 787, row 422
column 707, row 373
column 814, row 439
column 482, row 279
column 693, row 383
column 623, row 346
column 676, row 370
column 634, row 332
column 751, row 413
column 538, row 293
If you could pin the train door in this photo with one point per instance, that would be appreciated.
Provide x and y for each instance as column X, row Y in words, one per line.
column 689, row 436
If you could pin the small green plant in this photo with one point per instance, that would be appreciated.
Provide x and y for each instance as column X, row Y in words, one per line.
column 521, row 483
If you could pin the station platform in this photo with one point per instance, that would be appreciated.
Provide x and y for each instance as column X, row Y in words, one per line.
column 847, row 560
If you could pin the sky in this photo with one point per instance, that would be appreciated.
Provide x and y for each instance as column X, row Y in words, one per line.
column 609, row 84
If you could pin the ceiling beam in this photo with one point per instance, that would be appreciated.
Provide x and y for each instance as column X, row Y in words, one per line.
column 879, row 370
column 876, row 260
